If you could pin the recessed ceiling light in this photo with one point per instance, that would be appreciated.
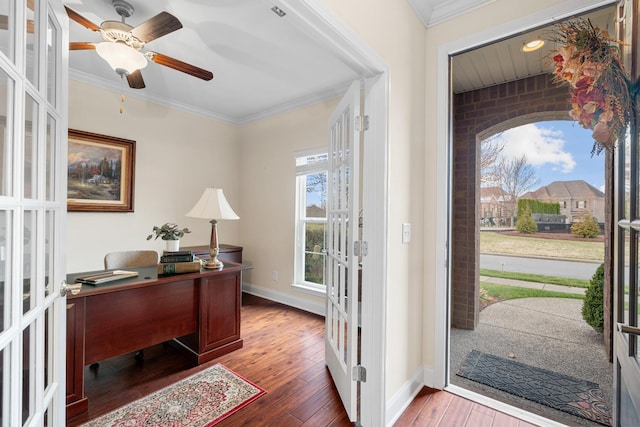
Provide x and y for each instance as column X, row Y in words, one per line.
column 278, row 11
column 533, row 45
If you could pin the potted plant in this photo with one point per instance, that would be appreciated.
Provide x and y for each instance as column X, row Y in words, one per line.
column 171, row 233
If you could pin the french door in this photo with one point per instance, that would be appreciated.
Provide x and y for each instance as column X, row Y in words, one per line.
column 626, row 280
column 626, row 332
column 341, row 321
column 33, row 108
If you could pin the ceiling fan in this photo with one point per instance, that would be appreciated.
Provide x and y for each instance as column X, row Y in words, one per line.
column 122, row 44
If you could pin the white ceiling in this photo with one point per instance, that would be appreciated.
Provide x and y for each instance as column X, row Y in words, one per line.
column 262, row 63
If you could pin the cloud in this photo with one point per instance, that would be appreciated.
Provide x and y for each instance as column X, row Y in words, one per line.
column 541, row 146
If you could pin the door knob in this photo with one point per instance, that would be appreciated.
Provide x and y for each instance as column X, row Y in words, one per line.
column 65, row 289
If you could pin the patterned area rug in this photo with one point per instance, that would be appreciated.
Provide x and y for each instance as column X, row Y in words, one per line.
column 201, row 400
column 562, row 392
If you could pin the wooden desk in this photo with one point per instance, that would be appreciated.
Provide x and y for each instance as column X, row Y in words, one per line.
column 199, row 311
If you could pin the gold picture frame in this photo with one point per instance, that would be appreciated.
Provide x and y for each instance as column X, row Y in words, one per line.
column 100, row 173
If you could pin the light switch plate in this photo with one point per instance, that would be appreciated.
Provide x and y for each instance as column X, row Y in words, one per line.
column 406, row 233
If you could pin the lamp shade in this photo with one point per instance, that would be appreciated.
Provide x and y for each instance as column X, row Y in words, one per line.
column 121, row 57
column 212, row 205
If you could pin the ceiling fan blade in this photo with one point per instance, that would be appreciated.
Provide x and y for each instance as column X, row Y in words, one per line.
column 135, row 80
column 81, row 19
column 157, row 26
column 81, row 46
column 176, row 64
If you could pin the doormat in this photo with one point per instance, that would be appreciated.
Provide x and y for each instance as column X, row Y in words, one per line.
column 201, row 400
column 562, row 392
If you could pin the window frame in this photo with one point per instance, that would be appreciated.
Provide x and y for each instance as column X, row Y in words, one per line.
column 301, row 220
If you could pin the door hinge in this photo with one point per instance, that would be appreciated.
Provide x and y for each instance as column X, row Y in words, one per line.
column 359, row 374
column 362, row 123
column 360, row 248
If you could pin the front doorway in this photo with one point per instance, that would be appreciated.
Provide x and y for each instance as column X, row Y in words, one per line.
column 479, row 112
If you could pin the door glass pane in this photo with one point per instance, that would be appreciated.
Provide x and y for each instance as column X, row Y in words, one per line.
column 633, row 286
column 6, row 130
column 28, row 345
column 49, row 234
column 48, row 340
column 50, row 159
column 31, row 39
column 7, row 14
column 628, row 410
column 5, row 268
column 29, row 261
column 30, row 147
column 5, row 397
column 626, row 278
column 52, row 45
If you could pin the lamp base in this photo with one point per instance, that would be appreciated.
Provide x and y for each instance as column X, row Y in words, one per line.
column 213, row 264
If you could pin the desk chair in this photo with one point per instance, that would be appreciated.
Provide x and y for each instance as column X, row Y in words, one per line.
column 130, row 259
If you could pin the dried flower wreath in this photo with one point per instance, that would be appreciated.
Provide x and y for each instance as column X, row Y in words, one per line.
column 601, row 90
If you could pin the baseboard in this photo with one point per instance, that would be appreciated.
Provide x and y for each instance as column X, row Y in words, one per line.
column 282, row 298
column 403, row 398
column 428, row 377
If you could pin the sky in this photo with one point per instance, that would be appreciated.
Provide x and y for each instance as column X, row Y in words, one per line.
column 558, row 151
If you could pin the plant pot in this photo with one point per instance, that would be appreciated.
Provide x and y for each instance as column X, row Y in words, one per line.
column 173, row 245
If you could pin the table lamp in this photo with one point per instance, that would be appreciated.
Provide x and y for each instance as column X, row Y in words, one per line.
column 213, row 206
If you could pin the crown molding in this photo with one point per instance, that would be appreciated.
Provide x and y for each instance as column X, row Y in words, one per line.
column 434, row 12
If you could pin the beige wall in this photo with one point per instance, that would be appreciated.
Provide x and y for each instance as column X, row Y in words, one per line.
column 177, row 155
column 268, row 197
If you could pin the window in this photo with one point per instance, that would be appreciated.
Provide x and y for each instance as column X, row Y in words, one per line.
column 311, row 219
column 581, row 204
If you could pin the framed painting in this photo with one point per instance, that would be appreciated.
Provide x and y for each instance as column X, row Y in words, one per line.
column 100, row 173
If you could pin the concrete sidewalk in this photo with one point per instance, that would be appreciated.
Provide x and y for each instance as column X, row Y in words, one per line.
column 534, row 285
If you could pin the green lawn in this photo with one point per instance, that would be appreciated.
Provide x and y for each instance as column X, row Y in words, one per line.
column 496, row 242
column 537, row 278
column 505, row 292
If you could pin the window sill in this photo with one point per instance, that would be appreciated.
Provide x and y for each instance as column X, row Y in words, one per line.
column 309, row 289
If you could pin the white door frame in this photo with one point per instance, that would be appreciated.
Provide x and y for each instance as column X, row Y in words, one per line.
column 440, row 376
column 316, row 20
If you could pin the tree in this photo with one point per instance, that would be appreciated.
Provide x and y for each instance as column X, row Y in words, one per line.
column 516, row 176
column 526, row 224
column 490, row 150
column 586, row 227
column 593, row 304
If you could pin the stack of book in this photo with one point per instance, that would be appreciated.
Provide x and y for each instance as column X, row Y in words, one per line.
column 178, row 262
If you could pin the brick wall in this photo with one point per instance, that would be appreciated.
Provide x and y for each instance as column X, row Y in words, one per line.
column 478, row 115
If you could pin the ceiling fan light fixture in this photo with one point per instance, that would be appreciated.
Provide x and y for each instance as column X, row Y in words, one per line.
column 121, row 57
column 533, row 45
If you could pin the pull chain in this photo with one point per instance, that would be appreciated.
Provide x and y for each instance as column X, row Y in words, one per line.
column 121, row 92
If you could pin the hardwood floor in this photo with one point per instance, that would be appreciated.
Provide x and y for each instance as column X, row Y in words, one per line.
column 442, row 409
column 283, row 353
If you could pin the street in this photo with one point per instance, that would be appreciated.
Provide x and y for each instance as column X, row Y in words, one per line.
column 547, row 267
